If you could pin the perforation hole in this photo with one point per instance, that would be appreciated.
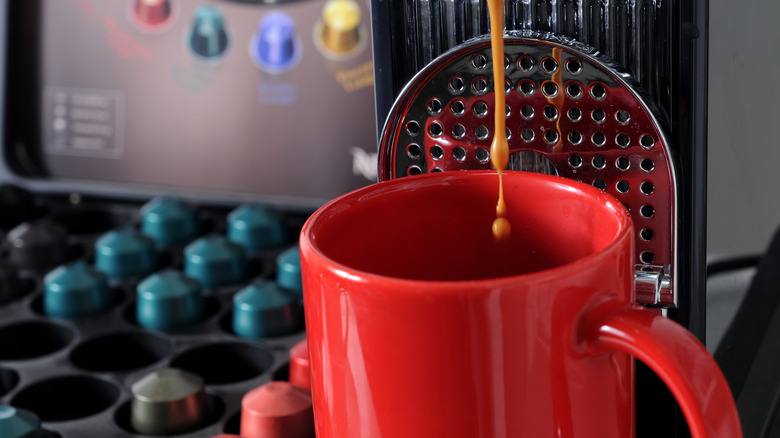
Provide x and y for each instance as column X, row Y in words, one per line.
column 622, row 163
column 598, row 139
column 480, row 109
column 550, row 89
column 479, row 62
column 437, row 152
column 622, row 140
column 647, row 211
column 647, row 257
column 647, row 141
column 527, row 134
column 457, row 108
column 507, row 63
column 598, row 92
column 458, row 131
column 435, row 129
column 647, row 188
column 434, row 106
column 456, row 85
column 413, row 170
column 647, row 234
column 481, row 132
column 599, row 184
column 574, row 66
column 525, row 63
column 508, row 134
column 575, row 161
column 413, row 151
column 412, row 128
column 623, row 186
column 622, row 117
column 647, row 165
column 550, row 112
column 527, row 111
column 479, row 86
column 526, row 87
column 550, row 136
column 599, row 162
column 574, row 90
column 459, row 153
column 574, row 114
column 508, row 111
column 598, row 115
column 483, row 155
column 549, row 65
column 507, row 86
column 575, row 137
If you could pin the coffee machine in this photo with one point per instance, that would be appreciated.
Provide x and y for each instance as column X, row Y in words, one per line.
column 655, row 50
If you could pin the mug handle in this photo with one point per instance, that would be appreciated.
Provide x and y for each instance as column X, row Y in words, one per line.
column 675, row 355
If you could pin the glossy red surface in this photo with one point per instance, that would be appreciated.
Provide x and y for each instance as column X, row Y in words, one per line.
column 419, row 325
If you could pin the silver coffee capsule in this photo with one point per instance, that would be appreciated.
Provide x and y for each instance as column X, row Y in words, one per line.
column 168, row 401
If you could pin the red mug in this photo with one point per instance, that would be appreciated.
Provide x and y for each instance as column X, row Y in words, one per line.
column 421, row 325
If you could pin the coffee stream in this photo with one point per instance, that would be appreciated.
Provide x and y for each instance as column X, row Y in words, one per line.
column 499, row 149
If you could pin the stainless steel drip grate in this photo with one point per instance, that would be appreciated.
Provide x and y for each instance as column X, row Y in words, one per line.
column 569, row 112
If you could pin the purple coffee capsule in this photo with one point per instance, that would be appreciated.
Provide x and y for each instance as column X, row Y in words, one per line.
column 276, row 47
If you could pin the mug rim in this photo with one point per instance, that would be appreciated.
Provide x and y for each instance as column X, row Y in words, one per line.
column 600, row 198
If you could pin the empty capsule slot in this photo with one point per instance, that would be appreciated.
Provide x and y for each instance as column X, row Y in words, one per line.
column 67, row 398
column 12, row 286
column 233, row 423
column 29, row 340
column 225, row 363
column 8, row 380
column 118, row 352
column 282, row 373
column 91, row 221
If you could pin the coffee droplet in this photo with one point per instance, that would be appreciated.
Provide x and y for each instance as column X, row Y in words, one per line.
column 499, row 149
column 501, row 229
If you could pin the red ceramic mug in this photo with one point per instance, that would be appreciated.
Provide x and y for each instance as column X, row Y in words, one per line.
column 420, row 325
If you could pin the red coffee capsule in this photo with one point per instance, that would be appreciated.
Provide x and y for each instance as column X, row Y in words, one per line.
column 277, row 410
column 153, row 12
column 299, row 365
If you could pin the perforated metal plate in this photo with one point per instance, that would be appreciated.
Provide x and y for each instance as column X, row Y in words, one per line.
column 570, row 112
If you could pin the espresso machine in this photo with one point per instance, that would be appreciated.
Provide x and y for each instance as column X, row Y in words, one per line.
column 111, row 104
column 611, row 93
